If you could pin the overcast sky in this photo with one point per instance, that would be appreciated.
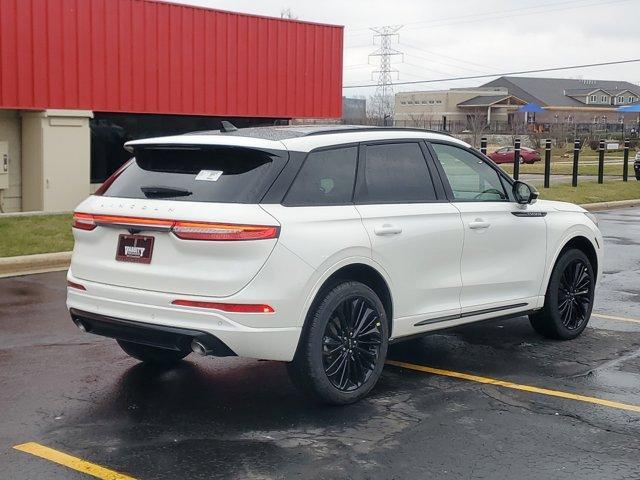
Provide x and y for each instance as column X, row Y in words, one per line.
column 443, row 39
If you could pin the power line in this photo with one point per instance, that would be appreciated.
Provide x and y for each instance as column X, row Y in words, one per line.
column 437, row 62
column 455, row 59
column 495, row 15
column 520, row 72
column 515, row 12
column 423, row 68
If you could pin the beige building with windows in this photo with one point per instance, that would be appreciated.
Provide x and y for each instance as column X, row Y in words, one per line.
column 583, row 105
column 455, row 109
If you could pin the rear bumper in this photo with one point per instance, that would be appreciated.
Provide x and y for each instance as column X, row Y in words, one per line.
column 149, row 317
column 155, row 335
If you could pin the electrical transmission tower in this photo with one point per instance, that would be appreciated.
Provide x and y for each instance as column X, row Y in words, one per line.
column 383, row 97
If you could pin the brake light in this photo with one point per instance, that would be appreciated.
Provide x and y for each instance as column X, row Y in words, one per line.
column 227, row 307
column 77, row 286
column 83, row 221
column 219, row 231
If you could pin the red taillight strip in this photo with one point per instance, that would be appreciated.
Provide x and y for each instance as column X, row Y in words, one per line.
column 132, row 221
column 185, row 230
column 83, row 221
column 226, row 307
column 75, row 285
column 217, row 231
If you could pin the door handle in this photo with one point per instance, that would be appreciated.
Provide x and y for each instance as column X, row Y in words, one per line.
column 387, row 229
column 478, row 224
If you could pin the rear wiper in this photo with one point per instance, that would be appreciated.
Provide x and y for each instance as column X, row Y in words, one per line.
column 157, row 191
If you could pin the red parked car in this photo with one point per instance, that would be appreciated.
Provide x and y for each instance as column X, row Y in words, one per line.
column 505, row 155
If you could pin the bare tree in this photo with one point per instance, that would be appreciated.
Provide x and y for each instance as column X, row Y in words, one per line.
column 477, row 124
column 286, row 13
column 517, row 128
column 418, row 120
column 377, row 106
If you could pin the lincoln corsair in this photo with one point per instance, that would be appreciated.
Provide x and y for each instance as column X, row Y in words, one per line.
column 318, row 246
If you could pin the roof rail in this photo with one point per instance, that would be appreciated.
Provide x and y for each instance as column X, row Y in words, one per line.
column 374, row 129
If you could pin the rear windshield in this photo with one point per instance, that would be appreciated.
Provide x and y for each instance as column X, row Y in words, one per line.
column 218, row 174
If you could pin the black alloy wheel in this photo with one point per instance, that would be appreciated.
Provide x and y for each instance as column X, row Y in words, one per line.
column 343, row 345
column 569, row 298
column 351, row 343
column 574, row 295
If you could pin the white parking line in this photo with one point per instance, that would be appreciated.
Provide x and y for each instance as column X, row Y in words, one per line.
column 613, row 317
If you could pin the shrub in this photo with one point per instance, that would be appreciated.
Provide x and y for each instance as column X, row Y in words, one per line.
column 594, row 144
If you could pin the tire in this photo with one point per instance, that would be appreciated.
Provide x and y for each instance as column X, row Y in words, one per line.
column 329, row 365
column 569, row 298
column 149, row 354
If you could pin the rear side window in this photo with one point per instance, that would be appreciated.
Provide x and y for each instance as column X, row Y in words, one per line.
column 395, row 173
column 219, row 175
column 326, row 178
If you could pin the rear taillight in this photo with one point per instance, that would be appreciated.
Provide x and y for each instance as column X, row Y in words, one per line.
column 77, row 286
column 83, row 221
column 220, row 231
column 181, row 229
column 226, row 307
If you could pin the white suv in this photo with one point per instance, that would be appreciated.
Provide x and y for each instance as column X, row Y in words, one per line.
column 318, row 246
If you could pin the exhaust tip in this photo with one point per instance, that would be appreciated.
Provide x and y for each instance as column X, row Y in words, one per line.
column 80, row 325
column 199, row 348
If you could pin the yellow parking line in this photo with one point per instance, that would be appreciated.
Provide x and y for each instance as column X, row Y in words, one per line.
column 612, row 317
column 516, row 386
column 71, row 462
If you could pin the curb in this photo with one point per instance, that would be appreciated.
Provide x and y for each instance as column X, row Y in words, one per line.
column 600, row 206
column 39, row 263
column 34, row 214
column 53, row 262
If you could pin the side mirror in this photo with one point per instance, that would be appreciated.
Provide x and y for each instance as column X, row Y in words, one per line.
column 524, row 193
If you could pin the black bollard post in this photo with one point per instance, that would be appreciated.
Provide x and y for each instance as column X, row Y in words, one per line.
column 516, row 159
column 483, row 145
column 547, row 163
column 601, row 162
column 576, row 155
column 625, row 168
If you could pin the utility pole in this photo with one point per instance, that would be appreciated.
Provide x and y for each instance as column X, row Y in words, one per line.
column 384, row 90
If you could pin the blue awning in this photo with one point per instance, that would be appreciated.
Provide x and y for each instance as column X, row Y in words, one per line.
column 531, row 108
column 629, row 108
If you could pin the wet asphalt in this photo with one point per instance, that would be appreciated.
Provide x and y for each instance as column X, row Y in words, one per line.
column 237, row 418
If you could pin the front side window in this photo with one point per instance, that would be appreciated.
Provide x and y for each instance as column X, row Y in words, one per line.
column 326, row 178
column 395, row 173
column 471, row 178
